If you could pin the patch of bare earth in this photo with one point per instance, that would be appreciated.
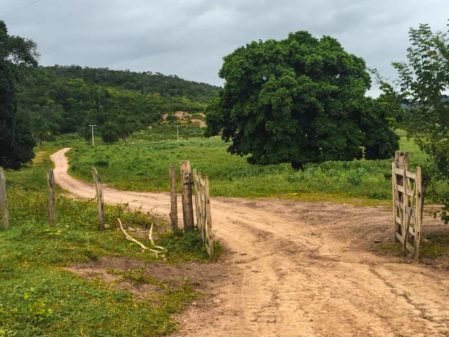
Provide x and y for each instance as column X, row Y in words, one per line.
column 304, row 269
column 112, row 270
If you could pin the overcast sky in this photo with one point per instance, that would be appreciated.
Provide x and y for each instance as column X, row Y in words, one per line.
column 189, row 38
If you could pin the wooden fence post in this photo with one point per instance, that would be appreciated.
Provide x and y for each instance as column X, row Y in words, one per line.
column 173, row 200
column 3, row 200
column 197, row 198
column 187, row 204
column 418, row 210
column 400, row 162
column 395, row 200
column 401, row 159
column 100, row 200
column 51, row 199
column 208, row 224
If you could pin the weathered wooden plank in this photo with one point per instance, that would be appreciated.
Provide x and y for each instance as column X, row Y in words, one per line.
column 173, row 199
column 209, row 234
column 100, row 199
column 410, row 193
column 410, row 248
column 404, row 207
column 197, row 199
column 411, row 175
column 398, row 171
column 187, row 202
column 418, row 212
column 399, row 237
column 51, row 199
column 394, row 199
column 401, row 158
column 3, row 200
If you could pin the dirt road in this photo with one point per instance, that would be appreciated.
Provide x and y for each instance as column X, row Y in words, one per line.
column 302, row 269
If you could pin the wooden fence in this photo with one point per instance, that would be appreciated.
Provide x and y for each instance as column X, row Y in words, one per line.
column 407, row 204
column 3, row 202
column 202, row 211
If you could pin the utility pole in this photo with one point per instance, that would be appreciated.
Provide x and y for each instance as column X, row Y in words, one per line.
column 93, row 136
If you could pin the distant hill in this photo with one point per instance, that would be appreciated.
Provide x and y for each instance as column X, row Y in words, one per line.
column 66, row 99
column 145, row 82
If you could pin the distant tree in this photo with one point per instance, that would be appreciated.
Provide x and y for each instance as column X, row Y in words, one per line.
column 110, row 133
column 85, row 132
column 298, row 100
column 125, row 126
column 16, row 141
column 424, row 81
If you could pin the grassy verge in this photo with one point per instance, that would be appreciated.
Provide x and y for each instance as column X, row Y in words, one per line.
column 434, row 249
column 39, row 298
column 141, row 164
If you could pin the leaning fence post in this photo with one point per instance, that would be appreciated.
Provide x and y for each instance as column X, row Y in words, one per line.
column 208, row 224
column 100, row 200
column 51, row 199
column 3, row 202
column 173, row 200
column 197, row 217
column 187, row 204
column 418, row 210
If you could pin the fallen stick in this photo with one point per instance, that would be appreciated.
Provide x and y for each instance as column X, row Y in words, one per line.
column 150, row 237
column 160, row 250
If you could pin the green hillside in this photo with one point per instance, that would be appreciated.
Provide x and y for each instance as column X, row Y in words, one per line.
column 57, row 100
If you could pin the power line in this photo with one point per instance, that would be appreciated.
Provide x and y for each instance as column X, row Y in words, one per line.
column 21, row 8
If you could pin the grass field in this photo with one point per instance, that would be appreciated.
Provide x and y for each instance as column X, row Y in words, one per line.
column 142, row 162
column 39, row 298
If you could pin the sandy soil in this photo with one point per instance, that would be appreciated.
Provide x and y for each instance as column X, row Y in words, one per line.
column 302, row 269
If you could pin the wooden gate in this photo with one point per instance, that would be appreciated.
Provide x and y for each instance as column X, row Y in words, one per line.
column 407, row 203
column 202, row 211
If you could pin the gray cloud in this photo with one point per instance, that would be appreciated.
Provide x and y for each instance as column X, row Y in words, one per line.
column 190, row 38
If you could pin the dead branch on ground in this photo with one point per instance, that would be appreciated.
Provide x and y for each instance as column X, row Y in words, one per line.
column 157, row 250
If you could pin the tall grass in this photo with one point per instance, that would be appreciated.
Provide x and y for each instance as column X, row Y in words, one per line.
column 142, row 162
column 39, row 298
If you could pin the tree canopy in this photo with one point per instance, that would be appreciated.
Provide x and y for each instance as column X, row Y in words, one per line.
column 16, row 141
column 424, row 84
column 298, row 100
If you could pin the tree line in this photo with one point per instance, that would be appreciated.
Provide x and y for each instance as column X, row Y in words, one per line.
column 57, row 100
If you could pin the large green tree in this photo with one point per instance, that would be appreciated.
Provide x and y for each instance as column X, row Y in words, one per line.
column 424, row 85
column 16, row 141
column 298, row 100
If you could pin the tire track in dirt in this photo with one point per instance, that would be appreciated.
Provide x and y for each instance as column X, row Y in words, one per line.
column 299, row 269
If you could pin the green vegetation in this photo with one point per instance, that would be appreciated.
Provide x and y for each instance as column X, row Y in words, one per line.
column 16, row 141
column 58, row 100
column 299, row 100
column 40, row 298
column 424, row 82
column 142, row 164
column 434, row 246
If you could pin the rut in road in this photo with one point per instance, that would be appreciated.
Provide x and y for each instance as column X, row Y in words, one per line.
column 297, row 269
